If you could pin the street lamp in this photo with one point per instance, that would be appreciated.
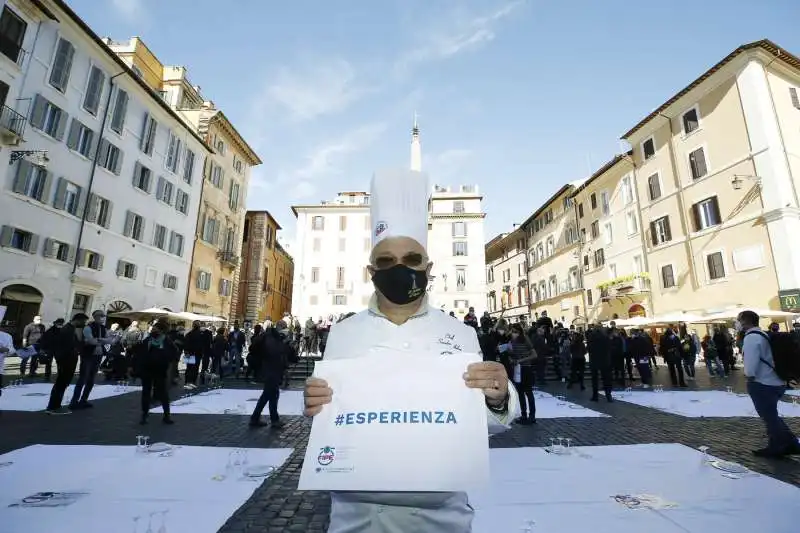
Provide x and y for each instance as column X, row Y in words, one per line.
column 738, row 180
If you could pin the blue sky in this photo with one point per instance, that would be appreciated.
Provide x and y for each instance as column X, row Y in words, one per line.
column 518, row 97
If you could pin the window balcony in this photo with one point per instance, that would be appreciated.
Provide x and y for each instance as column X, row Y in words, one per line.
column 629, row 285
column 12, row 50
column 12, row 124
column 339, row 288
column 228, row 257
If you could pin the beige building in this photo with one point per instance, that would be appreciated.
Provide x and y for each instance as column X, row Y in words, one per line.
column 717, row 172
column 612, row 258
column 507, row 276
column 214, row 277
column 554, row 278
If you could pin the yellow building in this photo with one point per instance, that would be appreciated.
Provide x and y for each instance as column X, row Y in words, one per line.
column 218, row 240
column 698, row 217
column 615, row 273
column 265, row 284
column 507, row 276
column 554, row 278
column 717, row 175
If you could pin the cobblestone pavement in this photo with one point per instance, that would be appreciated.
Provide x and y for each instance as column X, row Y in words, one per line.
column 277, row 506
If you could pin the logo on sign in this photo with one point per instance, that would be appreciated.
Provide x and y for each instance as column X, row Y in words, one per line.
column 380, row 227
column 326, row 456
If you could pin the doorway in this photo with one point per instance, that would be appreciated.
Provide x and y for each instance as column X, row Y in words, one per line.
column 22, row 303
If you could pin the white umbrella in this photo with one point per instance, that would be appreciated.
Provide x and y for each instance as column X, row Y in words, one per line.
column 677, row 318
column 731, row 314
column 634, row 322
column 151, row 312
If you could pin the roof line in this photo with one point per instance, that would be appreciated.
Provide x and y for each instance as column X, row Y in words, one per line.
column 602, row 170
column 128, row 70
column 536, row 213
column 763, row 44
column 254, row 159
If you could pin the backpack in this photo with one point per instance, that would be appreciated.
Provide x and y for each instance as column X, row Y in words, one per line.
column 785, row 354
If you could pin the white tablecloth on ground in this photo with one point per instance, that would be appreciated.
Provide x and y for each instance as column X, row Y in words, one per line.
column 564, row 494
column 122, row 484
column 697, row 404
column 34, row 396
column 216, row 402
column 548, row 406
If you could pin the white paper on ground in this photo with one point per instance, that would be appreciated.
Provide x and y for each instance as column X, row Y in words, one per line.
column 34, row 396
column 528, row 484
column 122, row 484
column 408, row 423
column 217, row 402
column 697, row 404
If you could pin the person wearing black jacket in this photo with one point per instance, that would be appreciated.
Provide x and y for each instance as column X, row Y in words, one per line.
column 577, row 349
column 670, row 349
column 194, row 349
column 208, row 341
column 274, row 351
column 641, row 349
column 599, row 347
column 66, row 351
column 47, row 345
column 617, row 345
column 151, row 363
column 254, row 358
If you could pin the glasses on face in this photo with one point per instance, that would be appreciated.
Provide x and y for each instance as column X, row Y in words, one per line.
column 412, row 260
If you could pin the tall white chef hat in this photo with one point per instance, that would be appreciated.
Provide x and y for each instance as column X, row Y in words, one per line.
column 399, row 205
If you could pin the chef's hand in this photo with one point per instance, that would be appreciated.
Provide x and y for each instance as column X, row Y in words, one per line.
column 316, row 395
column 491, row 378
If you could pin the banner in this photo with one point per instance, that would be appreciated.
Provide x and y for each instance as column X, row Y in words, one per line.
column 398, row 423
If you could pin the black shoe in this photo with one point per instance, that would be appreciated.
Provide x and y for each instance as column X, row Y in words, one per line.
column 143, row 421
column 167, row 420
column 792, row 449
column 84, row 404
column 257, row 424
column 276, row 425
column 769, row 454
column 528, row 421
column 594, row 399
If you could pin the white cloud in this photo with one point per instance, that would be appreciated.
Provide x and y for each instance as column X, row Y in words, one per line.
column 447, row 165
column 311, row 91
column 327, row 160
column 128, row 8
column 458, row 35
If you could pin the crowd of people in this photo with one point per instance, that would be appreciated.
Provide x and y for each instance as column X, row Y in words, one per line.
column 152, row 356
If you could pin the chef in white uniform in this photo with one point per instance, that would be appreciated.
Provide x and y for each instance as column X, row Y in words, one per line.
column 399, row 318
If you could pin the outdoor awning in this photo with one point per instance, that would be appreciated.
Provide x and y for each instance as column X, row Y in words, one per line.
column 731, row 314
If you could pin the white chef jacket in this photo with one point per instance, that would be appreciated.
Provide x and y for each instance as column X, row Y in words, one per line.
column 5, row 342
column 364, row 335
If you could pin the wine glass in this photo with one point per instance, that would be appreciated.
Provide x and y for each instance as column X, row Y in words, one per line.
column 729, row 389
column 527, row 527
column 150, row 524
column 163, row 527
column 552, row 443
column 704, row 449
column 136, row 523
column 569, row 442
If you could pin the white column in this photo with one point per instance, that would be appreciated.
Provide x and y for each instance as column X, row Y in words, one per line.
column 781, row 212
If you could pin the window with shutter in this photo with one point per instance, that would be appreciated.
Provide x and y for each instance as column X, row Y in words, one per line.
column 648, row 148
column 794, row 97
column 654, row 187
column 188, row 167
column 62, row 65
column 667, row 276
column 716, row 266
column 691, row 121
column 697, row 163
column 94, row 89
column 706, row 213
column 120, row 111
column 37, row 111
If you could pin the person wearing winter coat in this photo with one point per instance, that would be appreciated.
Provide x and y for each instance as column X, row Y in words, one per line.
column 152, row 360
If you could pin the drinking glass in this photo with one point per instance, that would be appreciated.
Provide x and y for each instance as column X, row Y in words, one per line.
column 163, row 527
column 145, row 438
column 569, row 442
column 729, row 389
column 527, row 527
column 552, row 443
column 150, row 524
column 136, row 523
column 704, row 459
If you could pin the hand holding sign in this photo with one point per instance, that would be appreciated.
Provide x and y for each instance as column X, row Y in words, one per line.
column 316, row 395
column 490, row 377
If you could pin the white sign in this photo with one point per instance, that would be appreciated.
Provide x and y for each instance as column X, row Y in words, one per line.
column 398, row 423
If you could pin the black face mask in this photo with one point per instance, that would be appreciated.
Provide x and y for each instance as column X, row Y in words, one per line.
column 401, row 284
